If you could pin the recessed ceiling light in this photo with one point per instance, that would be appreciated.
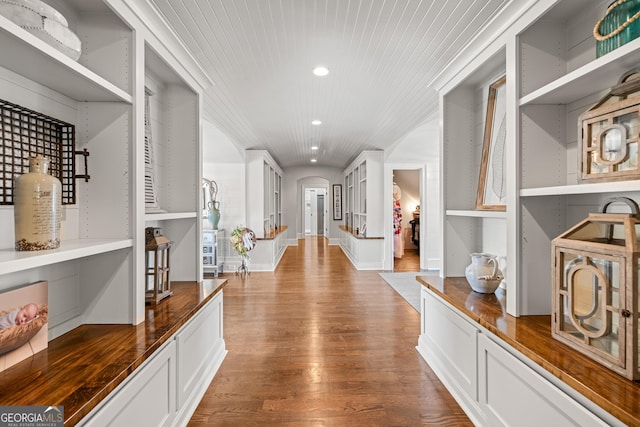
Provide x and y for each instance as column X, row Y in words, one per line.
column 314, row 160
column 314, row 147
column 321, row 71
column 316, row 122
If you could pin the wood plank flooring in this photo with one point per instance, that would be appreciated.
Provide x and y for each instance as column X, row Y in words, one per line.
column 318, row 343
column 410, row 261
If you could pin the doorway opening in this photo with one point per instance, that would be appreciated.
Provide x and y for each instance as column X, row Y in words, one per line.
column 406, row 220
column 315, row 221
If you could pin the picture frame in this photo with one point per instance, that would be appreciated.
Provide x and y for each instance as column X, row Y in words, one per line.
column 337, row 202
column 492, row 180
column 19, row 341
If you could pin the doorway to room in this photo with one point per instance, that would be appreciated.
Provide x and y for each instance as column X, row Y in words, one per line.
column 315, row 221
column 406, row 220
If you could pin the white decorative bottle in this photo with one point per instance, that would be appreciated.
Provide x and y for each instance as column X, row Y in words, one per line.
column 37, row 199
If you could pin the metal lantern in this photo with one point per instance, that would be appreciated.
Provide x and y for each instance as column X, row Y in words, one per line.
column 608, row 134
column 595, row 288
column 157, row 255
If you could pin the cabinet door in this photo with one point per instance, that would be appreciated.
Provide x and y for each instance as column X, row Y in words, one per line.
column 200, row 347
column 451, row 344
column 147, row 399
column 512, row 394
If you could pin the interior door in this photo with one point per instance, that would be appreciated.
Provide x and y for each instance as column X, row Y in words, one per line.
column 320, row 215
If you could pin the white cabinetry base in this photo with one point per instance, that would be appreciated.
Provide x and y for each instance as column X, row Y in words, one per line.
column 493, row 383
column 513, row 394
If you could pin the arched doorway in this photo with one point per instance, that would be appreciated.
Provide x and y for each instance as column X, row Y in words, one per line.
column 312, row 217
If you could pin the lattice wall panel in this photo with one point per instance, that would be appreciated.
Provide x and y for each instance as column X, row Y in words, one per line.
column 25, row 133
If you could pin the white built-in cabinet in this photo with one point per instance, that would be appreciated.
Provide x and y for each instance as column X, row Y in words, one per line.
column 98, row 274
column 553, row 76
column 264, row 210
column 92, row 275
column 166, row 389
column 494, row 383
column 361, row 237
column 264, row 193
column 363, row 207
column 548, row 55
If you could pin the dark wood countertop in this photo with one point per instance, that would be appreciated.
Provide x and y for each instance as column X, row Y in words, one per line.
column 274, row 234
column 357, row 236
column 531, row 335
column 80, row 368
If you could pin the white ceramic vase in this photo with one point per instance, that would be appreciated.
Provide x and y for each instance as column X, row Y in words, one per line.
column 37, row 199
column 483, row 273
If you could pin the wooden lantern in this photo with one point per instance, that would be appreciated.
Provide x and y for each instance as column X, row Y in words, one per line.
column 595, row 288
column 157, row 255
column 608, row 134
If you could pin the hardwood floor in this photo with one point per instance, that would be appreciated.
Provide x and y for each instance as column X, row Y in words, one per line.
column 410, row 261
column 318, row 343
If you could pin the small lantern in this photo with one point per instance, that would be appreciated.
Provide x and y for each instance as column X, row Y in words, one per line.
column 608, row 134
column 595, row 288
column 157, row 253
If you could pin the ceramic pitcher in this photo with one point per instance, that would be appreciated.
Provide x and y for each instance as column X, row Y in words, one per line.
column 483, row 273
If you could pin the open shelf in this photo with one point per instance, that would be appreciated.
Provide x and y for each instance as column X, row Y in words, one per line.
column 476, row 214
column 169, row 215
column 598, row 75
column 12, row 261
column 27, row 55
column 593, row 188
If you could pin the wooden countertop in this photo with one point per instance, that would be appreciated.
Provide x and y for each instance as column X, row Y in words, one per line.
column 531, row 335
column 274, row 233
column 81, row 367
column 357, row 236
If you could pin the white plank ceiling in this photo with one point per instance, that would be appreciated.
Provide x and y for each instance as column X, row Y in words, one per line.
column 383, row 55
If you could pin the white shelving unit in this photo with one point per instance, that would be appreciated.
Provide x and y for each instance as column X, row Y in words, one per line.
column 363, row 199
column 97, row 230
column 468, row 230
column 264, row 194
column 569, row 79
column 548, row 55
column 264, row 210
column 362, row 237
column 174, row 111
column 97, row 274
column 553, row 76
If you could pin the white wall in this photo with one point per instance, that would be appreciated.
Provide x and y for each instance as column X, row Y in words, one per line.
column 224, row 163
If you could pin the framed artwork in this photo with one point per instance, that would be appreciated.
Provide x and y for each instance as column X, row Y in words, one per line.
column 24, row 325
column 493, row 180
column 337, row 201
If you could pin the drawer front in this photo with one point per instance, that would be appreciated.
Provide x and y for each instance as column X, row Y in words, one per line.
column 512, row 394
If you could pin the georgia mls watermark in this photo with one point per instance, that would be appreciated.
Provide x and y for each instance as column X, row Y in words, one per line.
column 31, row 416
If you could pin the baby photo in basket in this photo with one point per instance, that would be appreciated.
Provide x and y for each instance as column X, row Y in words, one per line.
column 24, row 314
